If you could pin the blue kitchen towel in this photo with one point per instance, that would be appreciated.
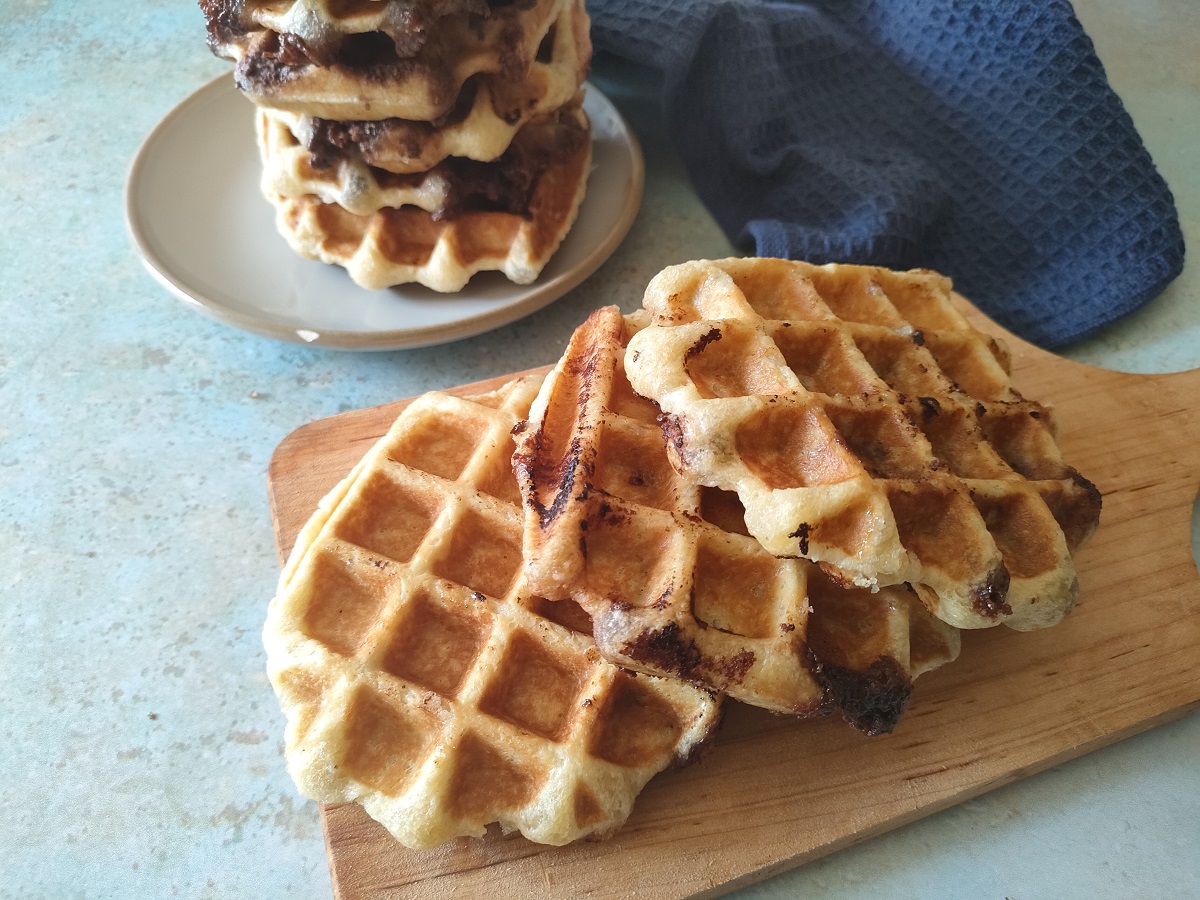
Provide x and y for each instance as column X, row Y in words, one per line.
column 978, row 138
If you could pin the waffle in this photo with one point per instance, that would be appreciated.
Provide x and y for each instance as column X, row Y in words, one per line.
column 673, row 582
column 290, row 171
column 490, row 110
column 423, row 680
column 310, row 58
column 324, row 26
column 443, row 249
column 866, row 425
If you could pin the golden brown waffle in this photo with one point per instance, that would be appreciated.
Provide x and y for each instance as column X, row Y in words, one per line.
column 442, row 249
column 351, row 61
column 423, row 680
column 325, row 26
column 674, row 583
column 290, row 171
column 490, row 110
column 866, row 425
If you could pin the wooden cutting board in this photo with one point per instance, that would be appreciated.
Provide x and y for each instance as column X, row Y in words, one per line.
column 775, row 793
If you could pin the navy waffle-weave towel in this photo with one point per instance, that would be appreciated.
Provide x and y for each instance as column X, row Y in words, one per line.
column 979, row 138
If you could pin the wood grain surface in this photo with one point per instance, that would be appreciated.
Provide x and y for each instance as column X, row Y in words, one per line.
column 775, row 793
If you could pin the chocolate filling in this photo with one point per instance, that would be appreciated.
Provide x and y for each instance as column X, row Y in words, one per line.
column 405, row 32
column 330, row 140
column 506, row 184
column 407, row 23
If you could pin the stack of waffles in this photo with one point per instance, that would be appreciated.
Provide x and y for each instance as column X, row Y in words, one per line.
column 416, row 141
column 785, row 485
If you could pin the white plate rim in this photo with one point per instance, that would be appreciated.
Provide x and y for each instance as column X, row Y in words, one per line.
column 528, row 298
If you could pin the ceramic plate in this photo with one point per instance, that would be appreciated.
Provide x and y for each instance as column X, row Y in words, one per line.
column 197, row 217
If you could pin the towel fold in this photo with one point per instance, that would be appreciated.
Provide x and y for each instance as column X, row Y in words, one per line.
column 980, row 139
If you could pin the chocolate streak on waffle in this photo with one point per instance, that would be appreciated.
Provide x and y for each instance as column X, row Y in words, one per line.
column 348, row 161
column 330, row 140
column 384, row 238
column 407, row 24
column 868, row 426
column 534, row 464
column 669, row 574
column 362, row 61
column 506, row 184
column 872, row 700
column 276, row 59
column 485, row 117
column 419, row 675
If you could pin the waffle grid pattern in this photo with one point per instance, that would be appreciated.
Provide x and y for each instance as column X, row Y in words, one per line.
column 288, row 172
column 416, row 143
column 289, row 169
column 420, row 677
column 324, row 25
column 396, row 245
column 866, row 425
column 283, row 64
column 488, row 114
column 672, row 580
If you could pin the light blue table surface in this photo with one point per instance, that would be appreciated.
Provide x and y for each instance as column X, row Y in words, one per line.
column 140, row 743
